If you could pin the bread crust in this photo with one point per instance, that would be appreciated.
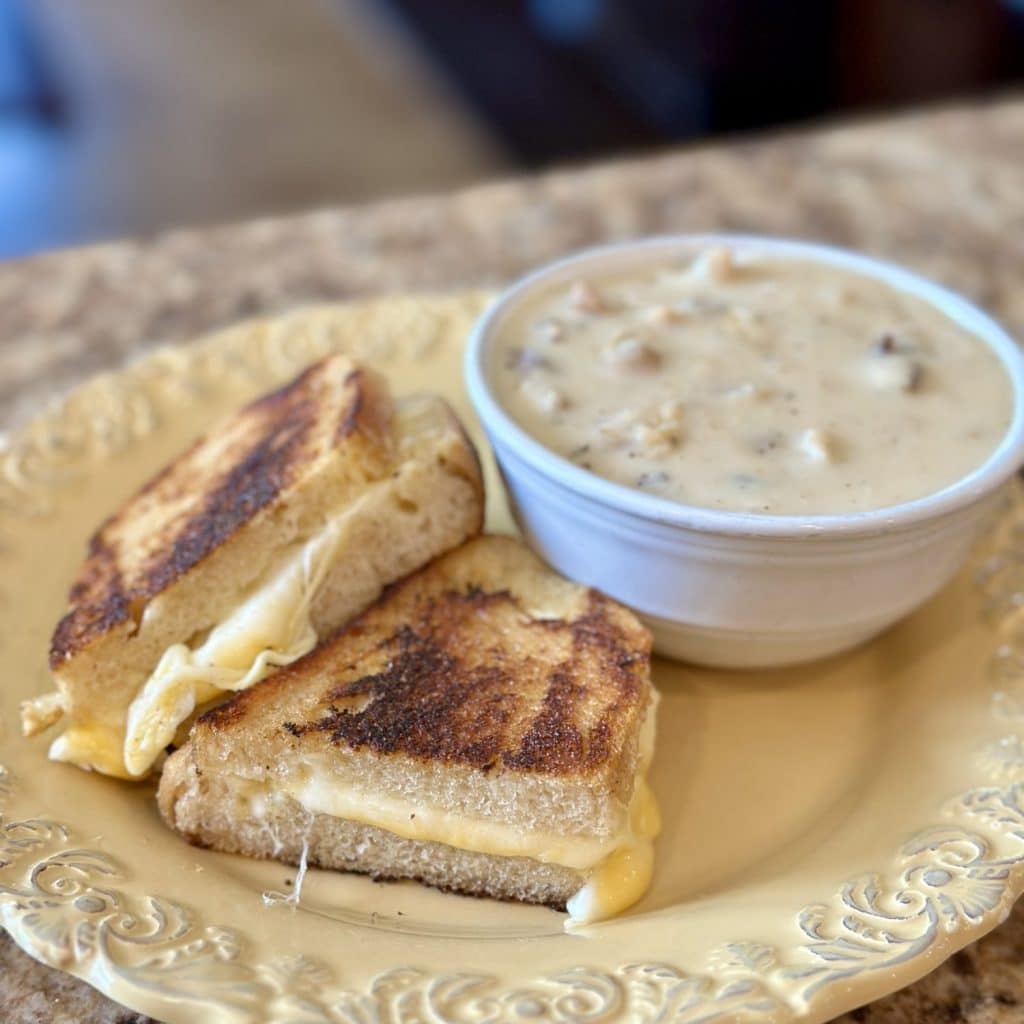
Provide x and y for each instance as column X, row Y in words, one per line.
column 237, row 472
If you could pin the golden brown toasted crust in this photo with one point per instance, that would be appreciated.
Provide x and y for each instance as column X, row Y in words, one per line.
column 449, row 666
column 238, row 471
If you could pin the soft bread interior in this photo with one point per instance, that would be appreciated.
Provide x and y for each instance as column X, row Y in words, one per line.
column 209, row 811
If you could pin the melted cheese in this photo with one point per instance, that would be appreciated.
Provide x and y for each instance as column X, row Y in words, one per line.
column 318, row 793
column 624, row 876
column 268, row 629
column 92, row 745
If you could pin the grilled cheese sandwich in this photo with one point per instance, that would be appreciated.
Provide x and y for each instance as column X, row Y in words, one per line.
column 280, row 525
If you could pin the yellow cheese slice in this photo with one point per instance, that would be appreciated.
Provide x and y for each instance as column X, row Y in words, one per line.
column 268, row 629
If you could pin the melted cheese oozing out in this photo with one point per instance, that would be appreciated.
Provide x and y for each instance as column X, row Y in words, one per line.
column 94, row 745
column 618, row 867
column 268, row 629
column 625, row 875
column 318, row 793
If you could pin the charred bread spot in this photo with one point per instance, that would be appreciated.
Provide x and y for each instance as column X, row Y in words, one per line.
column 250, row 485
column 424, row 702
column 443, row 687
column 552, row 742
column 98, row 603
column 222, row 716
column 356, row 382
column 199, row 500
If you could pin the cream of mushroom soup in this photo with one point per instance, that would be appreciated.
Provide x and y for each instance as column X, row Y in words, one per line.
column 754, row 384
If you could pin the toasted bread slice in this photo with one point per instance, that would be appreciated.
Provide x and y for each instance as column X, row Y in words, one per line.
column 282, row 523
column 480, row 728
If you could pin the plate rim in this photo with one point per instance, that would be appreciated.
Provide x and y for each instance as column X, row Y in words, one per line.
column 74, row 909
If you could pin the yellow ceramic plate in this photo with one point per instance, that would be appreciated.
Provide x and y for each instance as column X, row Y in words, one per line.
column 831, row 832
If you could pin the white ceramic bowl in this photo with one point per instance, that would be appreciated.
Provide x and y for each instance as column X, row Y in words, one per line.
column 728, row 588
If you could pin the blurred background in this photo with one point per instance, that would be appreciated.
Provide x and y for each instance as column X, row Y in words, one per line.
column 127, row 116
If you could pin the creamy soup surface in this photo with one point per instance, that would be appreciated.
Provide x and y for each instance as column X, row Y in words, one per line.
column 753, row 383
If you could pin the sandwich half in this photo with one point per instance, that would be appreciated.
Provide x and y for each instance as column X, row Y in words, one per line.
column 485, row 728
column 281, row 524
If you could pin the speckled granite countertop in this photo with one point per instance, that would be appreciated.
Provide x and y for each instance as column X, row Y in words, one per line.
column 942, row 192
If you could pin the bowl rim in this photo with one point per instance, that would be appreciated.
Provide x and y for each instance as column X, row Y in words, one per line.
column 968, row 490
